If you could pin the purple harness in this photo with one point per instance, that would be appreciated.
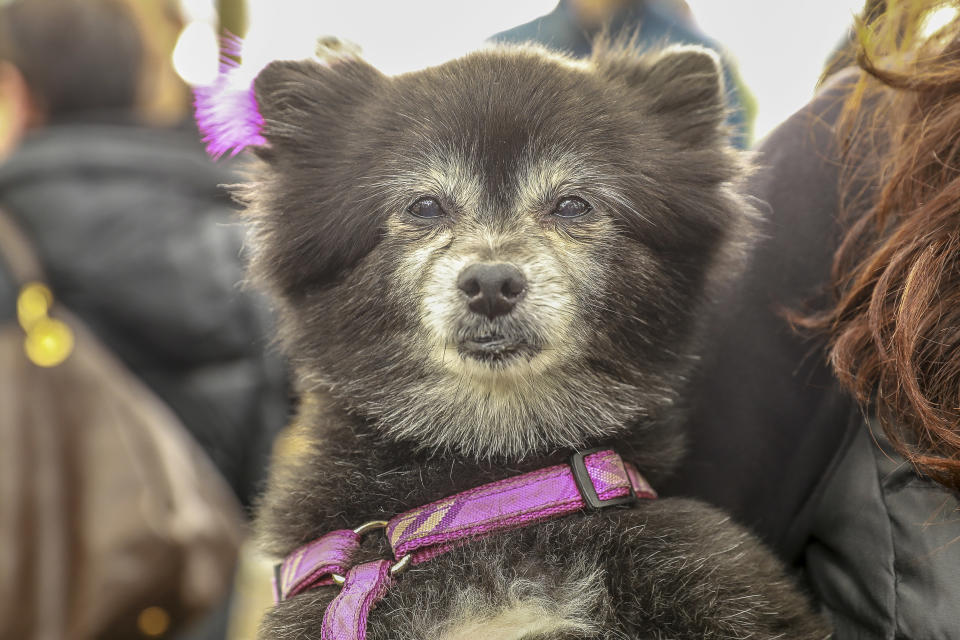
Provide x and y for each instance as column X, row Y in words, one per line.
column 593, row 479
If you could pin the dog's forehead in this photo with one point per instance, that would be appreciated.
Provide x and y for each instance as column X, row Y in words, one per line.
column 508, row 122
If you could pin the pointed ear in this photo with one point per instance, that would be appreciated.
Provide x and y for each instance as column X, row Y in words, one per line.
column 300, row 100
column 683, row 84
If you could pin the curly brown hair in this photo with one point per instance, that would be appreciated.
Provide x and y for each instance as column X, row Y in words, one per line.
column 895, row 325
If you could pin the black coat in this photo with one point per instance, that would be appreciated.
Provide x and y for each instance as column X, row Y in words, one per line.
column 138, row 239
column 768, row 419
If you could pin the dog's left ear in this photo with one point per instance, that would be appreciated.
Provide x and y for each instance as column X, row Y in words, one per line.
column 683, row 82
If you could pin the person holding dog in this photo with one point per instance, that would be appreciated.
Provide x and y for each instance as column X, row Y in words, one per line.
column 838, row 439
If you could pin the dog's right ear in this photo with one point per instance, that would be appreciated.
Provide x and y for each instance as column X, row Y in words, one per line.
column 685, row 82
column 304, row 100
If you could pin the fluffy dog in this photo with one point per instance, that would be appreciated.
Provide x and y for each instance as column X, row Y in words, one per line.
column 480, row 268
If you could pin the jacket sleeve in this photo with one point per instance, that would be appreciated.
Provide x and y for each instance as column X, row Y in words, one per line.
column 883, row 556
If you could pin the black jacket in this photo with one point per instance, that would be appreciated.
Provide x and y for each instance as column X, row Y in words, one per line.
column 138, row 239
column 779, row 444
column 768, row 419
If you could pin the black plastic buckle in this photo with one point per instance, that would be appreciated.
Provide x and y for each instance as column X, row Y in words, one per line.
column 277, row 582
column 585, row 484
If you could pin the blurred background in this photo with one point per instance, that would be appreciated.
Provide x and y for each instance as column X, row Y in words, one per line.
column 779, row 46
column 110, row 208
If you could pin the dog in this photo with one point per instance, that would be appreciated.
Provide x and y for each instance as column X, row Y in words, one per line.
column 480, row 269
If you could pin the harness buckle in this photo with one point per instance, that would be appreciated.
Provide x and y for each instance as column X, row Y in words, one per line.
column 585, row 485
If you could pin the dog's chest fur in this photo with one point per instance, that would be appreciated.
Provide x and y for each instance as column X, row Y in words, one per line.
column 669, row 568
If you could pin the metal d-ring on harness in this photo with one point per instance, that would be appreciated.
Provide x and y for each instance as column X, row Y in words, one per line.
column 396, row 568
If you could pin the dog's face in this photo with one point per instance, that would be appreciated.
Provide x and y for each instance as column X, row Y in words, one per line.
column 502, row 255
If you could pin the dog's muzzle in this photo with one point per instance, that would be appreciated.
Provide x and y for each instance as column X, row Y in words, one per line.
column 491, row 332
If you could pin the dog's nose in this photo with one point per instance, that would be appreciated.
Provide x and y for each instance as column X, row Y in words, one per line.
column 492, row 288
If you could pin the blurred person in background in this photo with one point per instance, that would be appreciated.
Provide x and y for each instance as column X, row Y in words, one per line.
column 572, row 26
column 132, row 229
column 840, row 443
column 135, row 233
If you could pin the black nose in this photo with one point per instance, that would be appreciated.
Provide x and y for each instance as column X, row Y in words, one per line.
column 492, row 288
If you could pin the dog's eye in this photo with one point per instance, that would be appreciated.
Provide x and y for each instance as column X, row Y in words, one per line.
column 571, row 207
column 426, row 207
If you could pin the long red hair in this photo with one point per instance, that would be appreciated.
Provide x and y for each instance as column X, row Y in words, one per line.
column 895, row 325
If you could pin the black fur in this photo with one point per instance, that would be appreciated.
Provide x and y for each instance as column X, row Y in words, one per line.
column 396, row 426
